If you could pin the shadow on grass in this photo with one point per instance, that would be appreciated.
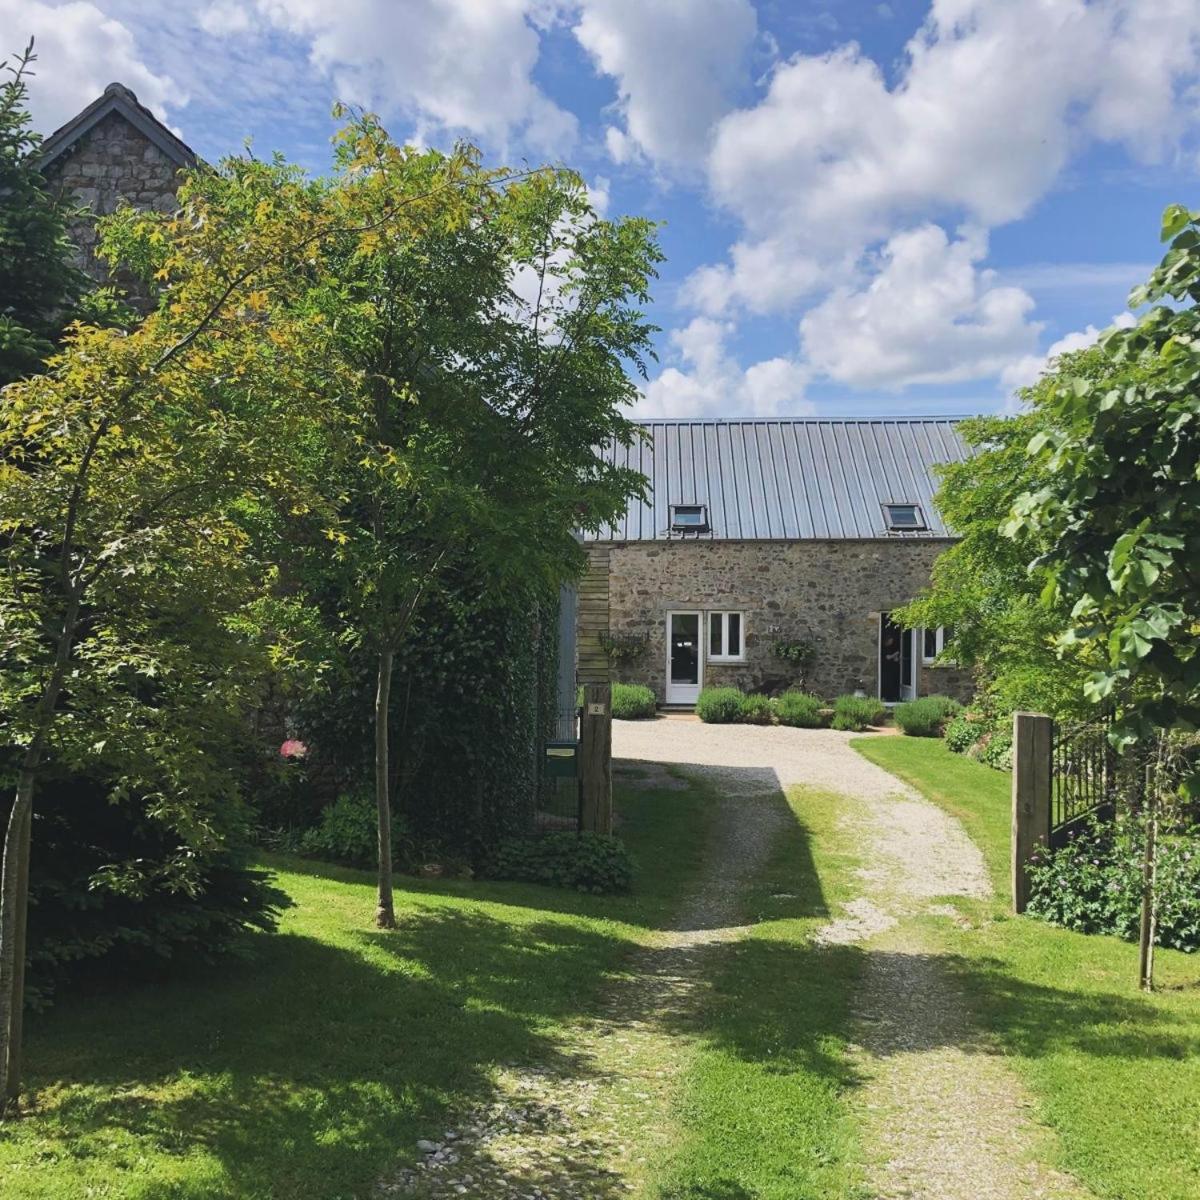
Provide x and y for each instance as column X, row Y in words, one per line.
column 314, row 1068
column 307, row 1072
column 776, row 1004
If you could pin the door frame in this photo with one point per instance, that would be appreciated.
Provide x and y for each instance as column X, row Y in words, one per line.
column 913, row 657
column 698, row 613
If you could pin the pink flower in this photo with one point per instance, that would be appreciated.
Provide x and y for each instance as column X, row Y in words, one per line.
column 293, row 748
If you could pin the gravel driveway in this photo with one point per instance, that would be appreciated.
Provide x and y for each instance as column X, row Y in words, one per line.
column 942, row 1117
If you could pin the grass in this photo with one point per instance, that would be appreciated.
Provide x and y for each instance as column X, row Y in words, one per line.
column 307, row 1071
column 762, row 1108
column 1114, row 1071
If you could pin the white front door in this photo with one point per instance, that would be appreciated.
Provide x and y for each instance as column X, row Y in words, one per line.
column 685, row 657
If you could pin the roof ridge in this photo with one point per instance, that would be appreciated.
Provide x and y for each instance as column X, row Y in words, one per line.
column 905, row 420
column 117, row 98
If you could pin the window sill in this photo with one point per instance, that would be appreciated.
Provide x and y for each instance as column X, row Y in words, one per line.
column 722, row 661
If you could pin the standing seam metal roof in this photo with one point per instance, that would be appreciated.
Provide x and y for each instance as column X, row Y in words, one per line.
column 785, row 480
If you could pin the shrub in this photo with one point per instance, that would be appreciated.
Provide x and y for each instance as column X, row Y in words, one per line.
column 720, row 705
column 756, row 710
column 347, row 832
column 632, row 702
column 587, row 862
column 857, row 712
column 1094, row 884
column 994, row 749
column 800, row 710
column 463, row 750
column 925, row 717
column 104, row 895
column 962, row 732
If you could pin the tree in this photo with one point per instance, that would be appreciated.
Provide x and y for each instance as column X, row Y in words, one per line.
column 39, row 283
column 1118, row 514
column 982, row 587
column 1118, row 511
column 122, row 472
column 487, row 337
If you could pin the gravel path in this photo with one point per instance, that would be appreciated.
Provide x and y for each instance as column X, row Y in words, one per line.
column 942, row 1118
column 562, row 1133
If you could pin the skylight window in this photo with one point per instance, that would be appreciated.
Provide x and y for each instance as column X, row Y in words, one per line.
column 904, row 516
column 689, row 516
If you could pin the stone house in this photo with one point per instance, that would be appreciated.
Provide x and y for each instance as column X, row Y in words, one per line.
column 756, row 534
column 752, row 532
column 113, row 152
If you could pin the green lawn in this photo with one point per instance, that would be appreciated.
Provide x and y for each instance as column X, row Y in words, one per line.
column 310, row 1069
column 762, row 1106
column 1115, row 1072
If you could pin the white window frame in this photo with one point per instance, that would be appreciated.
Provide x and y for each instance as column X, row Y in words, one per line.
column 939, row 641
column 725, row 614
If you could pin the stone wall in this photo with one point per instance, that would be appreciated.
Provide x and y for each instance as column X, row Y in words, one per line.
column 829, row 592
column 112, row 163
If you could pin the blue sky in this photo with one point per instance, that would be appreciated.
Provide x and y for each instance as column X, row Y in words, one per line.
column 869, row 207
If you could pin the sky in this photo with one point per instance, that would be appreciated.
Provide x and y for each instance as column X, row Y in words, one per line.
column 869, row 208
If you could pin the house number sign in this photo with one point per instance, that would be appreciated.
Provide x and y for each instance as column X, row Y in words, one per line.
column 596, row 710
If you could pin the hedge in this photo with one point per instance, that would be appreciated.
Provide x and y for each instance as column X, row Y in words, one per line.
column 801, row 710
column 927, row 716
column 632, row 702
column 856, row 713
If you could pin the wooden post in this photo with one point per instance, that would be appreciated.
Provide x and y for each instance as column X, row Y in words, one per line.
column 1146, row 930
column 595, row 752
column 1031, row 783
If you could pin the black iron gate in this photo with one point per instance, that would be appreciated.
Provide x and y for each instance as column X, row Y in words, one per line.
column 1088, row 777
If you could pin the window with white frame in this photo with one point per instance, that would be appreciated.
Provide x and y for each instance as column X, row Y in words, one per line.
column 726, row 637
column 934, row 642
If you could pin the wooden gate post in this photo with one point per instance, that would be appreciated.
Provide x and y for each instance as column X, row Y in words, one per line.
column 595, row 767
column 1031, row 784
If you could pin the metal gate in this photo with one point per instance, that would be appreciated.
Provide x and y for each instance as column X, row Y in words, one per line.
column 1087, row 778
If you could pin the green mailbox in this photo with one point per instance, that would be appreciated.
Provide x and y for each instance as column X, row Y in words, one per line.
column 561, row 760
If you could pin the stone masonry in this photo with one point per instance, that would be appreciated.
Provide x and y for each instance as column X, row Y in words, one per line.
column 113, row 163
column 830, row 592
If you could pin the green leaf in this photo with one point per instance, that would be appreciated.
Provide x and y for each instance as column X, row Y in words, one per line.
column 1175, row 219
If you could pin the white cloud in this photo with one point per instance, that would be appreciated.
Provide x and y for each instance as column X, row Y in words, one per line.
column 675, row 68
column 928, row 316
column 1077, row 276
column 457, row 64
column 80, row 51
column 712, row 383
column 765, row 276
column 992, row 102
column 224, row 17
column 1027, row 369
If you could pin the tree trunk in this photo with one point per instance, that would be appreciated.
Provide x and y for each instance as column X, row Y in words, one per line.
column 17, row 1021
column 14, row 876
column 12, row 933
column 385, row 913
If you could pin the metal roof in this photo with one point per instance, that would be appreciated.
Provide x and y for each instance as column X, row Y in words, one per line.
column 786, row 479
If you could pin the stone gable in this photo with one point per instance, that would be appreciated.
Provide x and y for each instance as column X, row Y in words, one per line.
column 111, row 164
